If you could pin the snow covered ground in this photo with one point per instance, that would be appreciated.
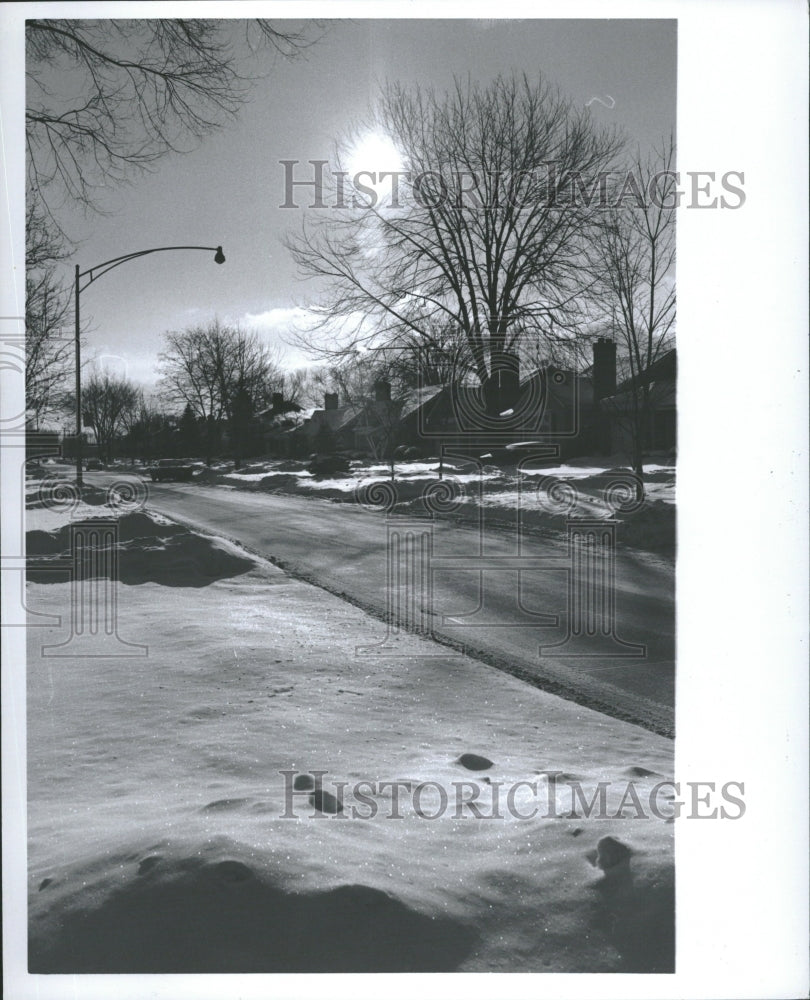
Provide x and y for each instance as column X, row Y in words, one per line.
column 433, row 839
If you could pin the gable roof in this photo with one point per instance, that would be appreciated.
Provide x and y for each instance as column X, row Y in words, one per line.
column 417, row 398
column 663, row 369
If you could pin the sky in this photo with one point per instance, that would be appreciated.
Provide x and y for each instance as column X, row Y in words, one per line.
column 229, row 190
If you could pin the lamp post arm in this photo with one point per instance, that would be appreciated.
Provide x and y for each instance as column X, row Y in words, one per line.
column 93, row 274
column 98, row 270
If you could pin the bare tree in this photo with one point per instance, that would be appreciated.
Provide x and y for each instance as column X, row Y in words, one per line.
column 106, row 97
column 483, row 237
column 47, row 351
column 108, row 402
column 148, row 430
column 296, row 386
column 634, row 271
column 221, row 372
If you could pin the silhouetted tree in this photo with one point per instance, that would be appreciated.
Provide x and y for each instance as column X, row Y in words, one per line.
column 107, row 97
column 48, row 352
column 634, row 271
column 205, row 367
column 485, row 238
column 241, row 411
column 107, row 401
column 189, row 430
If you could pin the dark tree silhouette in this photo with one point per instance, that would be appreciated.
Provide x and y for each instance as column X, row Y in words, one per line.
column 477, row 240
column 48, row 352
column 634, row 283
column 220, row 372
column 108, row 97
column 107, row 401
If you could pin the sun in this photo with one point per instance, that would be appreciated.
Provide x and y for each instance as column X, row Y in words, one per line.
column 372, row 155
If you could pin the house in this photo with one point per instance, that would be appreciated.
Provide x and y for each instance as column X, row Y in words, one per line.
column 271, row 426
column 567, row 413
column 654, row 389
column 548, row 406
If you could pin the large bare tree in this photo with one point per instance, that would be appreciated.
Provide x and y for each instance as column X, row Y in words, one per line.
column 108, row 97
column 485, row 234
column 634, row 284
column 107, row 403
column 220, row 371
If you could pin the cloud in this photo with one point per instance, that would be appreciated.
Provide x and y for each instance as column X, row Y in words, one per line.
column 278, row 327
column 280, row 319
column 282, row 326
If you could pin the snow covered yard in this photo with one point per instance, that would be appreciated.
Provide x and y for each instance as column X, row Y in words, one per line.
column 178, row 821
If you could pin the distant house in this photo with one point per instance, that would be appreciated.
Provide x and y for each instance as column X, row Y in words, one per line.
column 547, row 406
column 658, row 385
column 566, row 412
column 89, row 444
column 331, row 428
column 272, row 425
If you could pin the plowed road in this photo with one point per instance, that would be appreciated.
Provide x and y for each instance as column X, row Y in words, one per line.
column 499, row 613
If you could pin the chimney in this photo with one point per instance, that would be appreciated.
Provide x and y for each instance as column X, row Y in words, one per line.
column 382, row 391
column 278, row 401
column 604, row 368
column 330, row 401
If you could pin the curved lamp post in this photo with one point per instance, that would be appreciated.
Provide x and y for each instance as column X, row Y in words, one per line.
column 93, row 274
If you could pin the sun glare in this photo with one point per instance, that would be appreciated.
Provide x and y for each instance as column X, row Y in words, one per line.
column 374, row 154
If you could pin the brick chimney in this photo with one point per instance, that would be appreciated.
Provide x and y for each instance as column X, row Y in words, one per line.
column 382, row 391
column 278, row 401
column 604, row 368
column 330, row 401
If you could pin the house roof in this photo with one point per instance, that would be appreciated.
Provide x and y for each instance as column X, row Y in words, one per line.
column 562, row 386
column 348, row 414
column 273, row 411
column 417, row 398
column 663, row 369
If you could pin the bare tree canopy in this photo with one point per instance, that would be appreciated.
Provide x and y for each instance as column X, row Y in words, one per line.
column 47, row 351
column 483, row 236
column 108, row 403
column 205, row 367
column 634, row 280
column 221, row 372
column 106, row 97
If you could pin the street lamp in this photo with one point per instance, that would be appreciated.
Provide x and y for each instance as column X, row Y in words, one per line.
column 93, row 274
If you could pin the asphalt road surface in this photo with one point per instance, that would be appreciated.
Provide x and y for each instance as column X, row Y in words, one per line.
column 470, row 586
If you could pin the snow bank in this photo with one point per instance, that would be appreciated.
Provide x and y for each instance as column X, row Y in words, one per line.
column 212, row 908
column 149, row 549
column 166, row 832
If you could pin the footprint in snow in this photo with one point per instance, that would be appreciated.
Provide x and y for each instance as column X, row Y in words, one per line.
column 641, row 772
column 475, row 762
column 609, row 854
column 148, row 864
column 325, row 802
column 222, row 805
